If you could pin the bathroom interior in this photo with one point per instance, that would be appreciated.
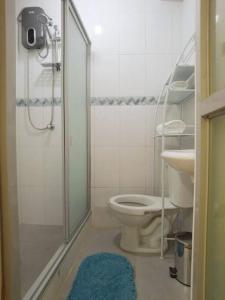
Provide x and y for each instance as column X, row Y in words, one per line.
column 105, row 141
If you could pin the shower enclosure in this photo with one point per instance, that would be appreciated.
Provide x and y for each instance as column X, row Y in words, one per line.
column 52, row 117
column 76, row 67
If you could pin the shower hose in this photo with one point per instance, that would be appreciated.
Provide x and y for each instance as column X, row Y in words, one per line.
column 50, row 125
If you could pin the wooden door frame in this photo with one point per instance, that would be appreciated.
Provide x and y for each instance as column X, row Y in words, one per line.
column 10, row 283
column 201, row 165
column 207, row 107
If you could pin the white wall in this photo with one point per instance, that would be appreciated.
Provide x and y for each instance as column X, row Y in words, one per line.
column 39, row 154
column 123, row 155
column 133, row 56
column 140, row 40
column 188, row 19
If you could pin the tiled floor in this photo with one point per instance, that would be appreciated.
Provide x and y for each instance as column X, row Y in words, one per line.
column 151, row 273
column 38, row 243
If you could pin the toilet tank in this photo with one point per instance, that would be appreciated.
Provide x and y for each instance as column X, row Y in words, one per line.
column 181, row 188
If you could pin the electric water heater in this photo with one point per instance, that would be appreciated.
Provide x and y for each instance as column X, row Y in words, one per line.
column 33, row 27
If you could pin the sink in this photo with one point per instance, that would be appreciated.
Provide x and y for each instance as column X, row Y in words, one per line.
column 180, row 176
column 181, row 160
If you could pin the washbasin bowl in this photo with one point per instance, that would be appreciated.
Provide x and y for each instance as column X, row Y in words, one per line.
column 181, row 160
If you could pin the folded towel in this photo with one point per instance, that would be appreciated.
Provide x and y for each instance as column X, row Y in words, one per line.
column 179, row 85
column 171, row 127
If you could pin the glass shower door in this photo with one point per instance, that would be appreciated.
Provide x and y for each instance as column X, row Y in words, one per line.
column 76, row 118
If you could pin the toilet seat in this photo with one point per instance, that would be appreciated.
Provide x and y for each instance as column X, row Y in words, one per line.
column 134, row 204
column 140, row 220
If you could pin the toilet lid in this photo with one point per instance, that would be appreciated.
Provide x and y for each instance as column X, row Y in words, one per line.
column 134, row 204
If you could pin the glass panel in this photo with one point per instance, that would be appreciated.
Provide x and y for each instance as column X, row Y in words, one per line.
column 215, row 259
column 39, row 152
column 217, row 45
column 77, row 115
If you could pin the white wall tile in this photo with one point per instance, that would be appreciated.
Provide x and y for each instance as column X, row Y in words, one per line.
column 163, row 6
column 132, row 129
column 174, row 58
column 96, row 13
column 92, row 124
column 92, row 81
column 150, row 123
column 37, row 168
column 106, row 167
column 20, row 117
column 102, row 216
column 33, row 205
column 105, row 75
column 92, row 197
column 96, row 8
column 53, row 138
column 92, row 167
column 133, row 56
column 39, row 157
column 28, row 136
column 153, row 24
column 53, row 206
column 156, row 171
column 188, row 20
column 159, row 68
column 106, row 126
column 132, row 162
column 151, row 169
column 132, row 190
column 159, row 33
column 30, row 166
column 177, row 30
column 110, row 28
column 52, row 170
column 132, row 6
column 132, row 33
column 132, row 75
column 101, row 196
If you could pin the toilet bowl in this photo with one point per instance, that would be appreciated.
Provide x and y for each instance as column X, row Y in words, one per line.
column 140, row 218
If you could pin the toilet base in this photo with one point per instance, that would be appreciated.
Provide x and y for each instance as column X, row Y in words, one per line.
column 130, row 241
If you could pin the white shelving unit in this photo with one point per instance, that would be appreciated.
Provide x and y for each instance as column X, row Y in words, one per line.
column 176, row 96
column 179, row 87
column 173, row 95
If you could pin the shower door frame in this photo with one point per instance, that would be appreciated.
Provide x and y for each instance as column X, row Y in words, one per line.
column 39, row 285
column 9, row 209
column 68, row 5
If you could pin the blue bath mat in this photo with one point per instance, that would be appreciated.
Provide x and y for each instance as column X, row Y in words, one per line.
column 104, row 276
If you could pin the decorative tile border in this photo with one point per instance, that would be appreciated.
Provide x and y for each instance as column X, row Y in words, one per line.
column 123, row 100
column 94, row 101
column 38, row 101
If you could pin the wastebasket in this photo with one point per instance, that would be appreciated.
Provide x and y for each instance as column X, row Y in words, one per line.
column 183, row 250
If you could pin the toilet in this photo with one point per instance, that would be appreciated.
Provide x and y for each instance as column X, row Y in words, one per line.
column 140, row 219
